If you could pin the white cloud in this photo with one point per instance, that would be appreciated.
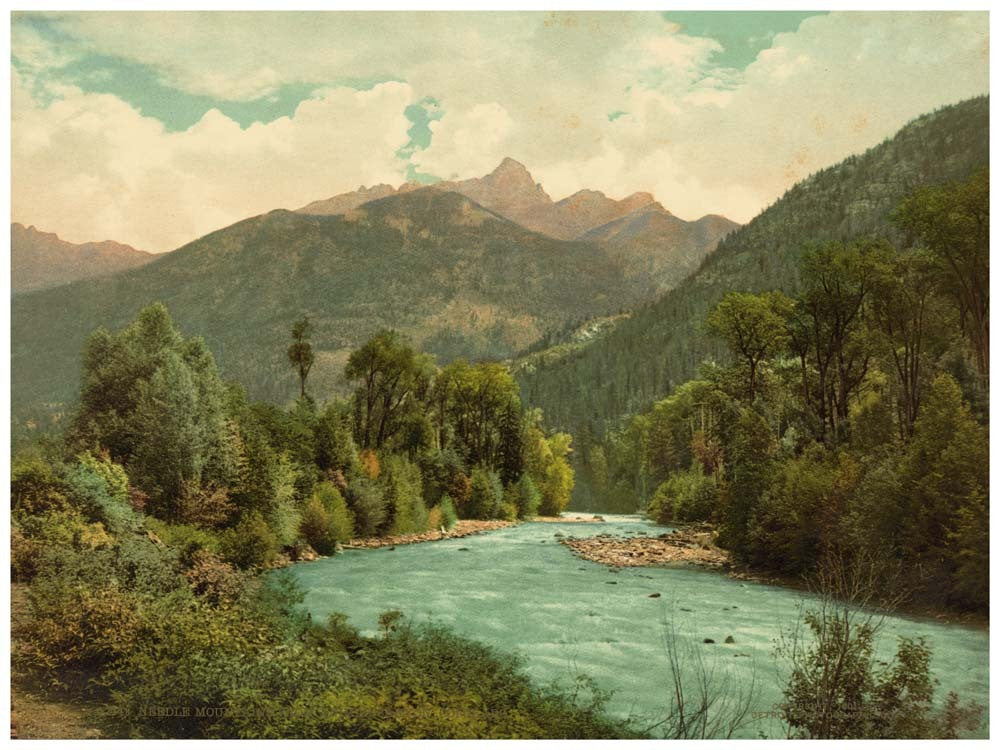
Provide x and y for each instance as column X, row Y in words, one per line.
column 537, row 87
column 90, row 167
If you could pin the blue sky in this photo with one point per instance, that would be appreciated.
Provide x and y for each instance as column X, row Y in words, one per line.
column 151, row 128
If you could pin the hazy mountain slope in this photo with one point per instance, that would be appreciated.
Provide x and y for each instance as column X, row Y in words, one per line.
column 39, row 260
column 661, row 345
column 458, row 278
column 340, row 204
column 653, row 243
column 656, row 247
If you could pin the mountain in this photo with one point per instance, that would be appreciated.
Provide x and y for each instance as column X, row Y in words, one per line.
column 40, row 260
column 656, row 247
column 586, row 389
column 651, row 242
column 455, row 276
column 341, row 204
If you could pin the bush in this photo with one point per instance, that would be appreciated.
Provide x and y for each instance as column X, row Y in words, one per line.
column 186, row 539
column 364, row 498
column 448, row 515
column 35, row 488
column 485, row 496
column 100, row 489
column 251, row 544
column 31, row 537
column 73, row 632
column 326, row 519
column 406, row 513
column 684, row 497
column 508, row 512
column 525, row 496
column 208, row 507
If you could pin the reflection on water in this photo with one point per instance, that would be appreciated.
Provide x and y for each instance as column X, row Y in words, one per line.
column 519, row 589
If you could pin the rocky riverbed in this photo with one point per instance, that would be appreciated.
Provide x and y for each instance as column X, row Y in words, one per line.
column 459, row 530
column 695, row 546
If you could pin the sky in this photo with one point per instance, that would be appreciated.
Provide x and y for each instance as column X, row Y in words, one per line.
column 154, row 129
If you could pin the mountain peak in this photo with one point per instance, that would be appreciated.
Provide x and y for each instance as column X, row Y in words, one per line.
column 511, row 167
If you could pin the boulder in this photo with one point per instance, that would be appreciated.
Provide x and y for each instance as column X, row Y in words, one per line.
column 730, row 639
column 657, row 595
column 708, row 640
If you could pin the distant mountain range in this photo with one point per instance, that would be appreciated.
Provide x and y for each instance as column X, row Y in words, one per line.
column 40, row 260
column 655, row 247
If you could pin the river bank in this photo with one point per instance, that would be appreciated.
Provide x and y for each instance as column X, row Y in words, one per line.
column 693, row 546
column 461, row 529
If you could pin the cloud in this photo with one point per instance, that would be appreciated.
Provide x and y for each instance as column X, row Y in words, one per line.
column 90, row 167
column 535, row 86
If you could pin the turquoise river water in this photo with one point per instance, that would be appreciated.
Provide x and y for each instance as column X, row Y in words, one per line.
column 519, row 590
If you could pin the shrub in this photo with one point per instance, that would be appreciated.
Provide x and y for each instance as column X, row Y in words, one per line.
column 73, row 632
column 100, row 489
column 406, row 513
column 35, row 488
column 369, row 463
column 250, row 544
column 212, row 578
column 485, row 496
column 365, row 500
column 315, row 526
column 525, row 496
column 208, row 507
column 448, row 515
column 685, row 496
column 508, row 511
column 326, row 519
column 186, row 539
column 35, row 534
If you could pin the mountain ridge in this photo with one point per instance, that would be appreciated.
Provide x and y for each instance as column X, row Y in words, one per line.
column 42, row 260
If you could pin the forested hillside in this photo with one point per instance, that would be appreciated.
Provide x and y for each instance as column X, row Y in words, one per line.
column 459, row 279
column 587, row 389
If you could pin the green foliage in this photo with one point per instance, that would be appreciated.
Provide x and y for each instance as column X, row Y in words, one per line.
column 392, row 378
column 547, row 463
column 684, row 497
column 249, row 544
column 403, row 487
column 185, row 538
column 99, row 488
column 753, row 327
column 800, row 515
column 837, row 690
column 148, row 382
column 35, row 487
column 524, row 496
column 335, row 449
column 449, row 516
column 485, row 496
column 326, row 519
column 366, row 501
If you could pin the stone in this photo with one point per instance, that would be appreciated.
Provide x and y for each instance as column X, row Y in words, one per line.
column 708, row 640
column 730, row 639
column 657, row 595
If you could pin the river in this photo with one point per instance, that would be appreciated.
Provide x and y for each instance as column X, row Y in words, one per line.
column 519, row 590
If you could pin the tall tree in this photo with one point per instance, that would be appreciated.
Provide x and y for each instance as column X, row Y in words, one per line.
column 953, row 222
column 392, row 378
column 300, row 353
column 907, row 312
column 827, row 328
column 753, row 326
